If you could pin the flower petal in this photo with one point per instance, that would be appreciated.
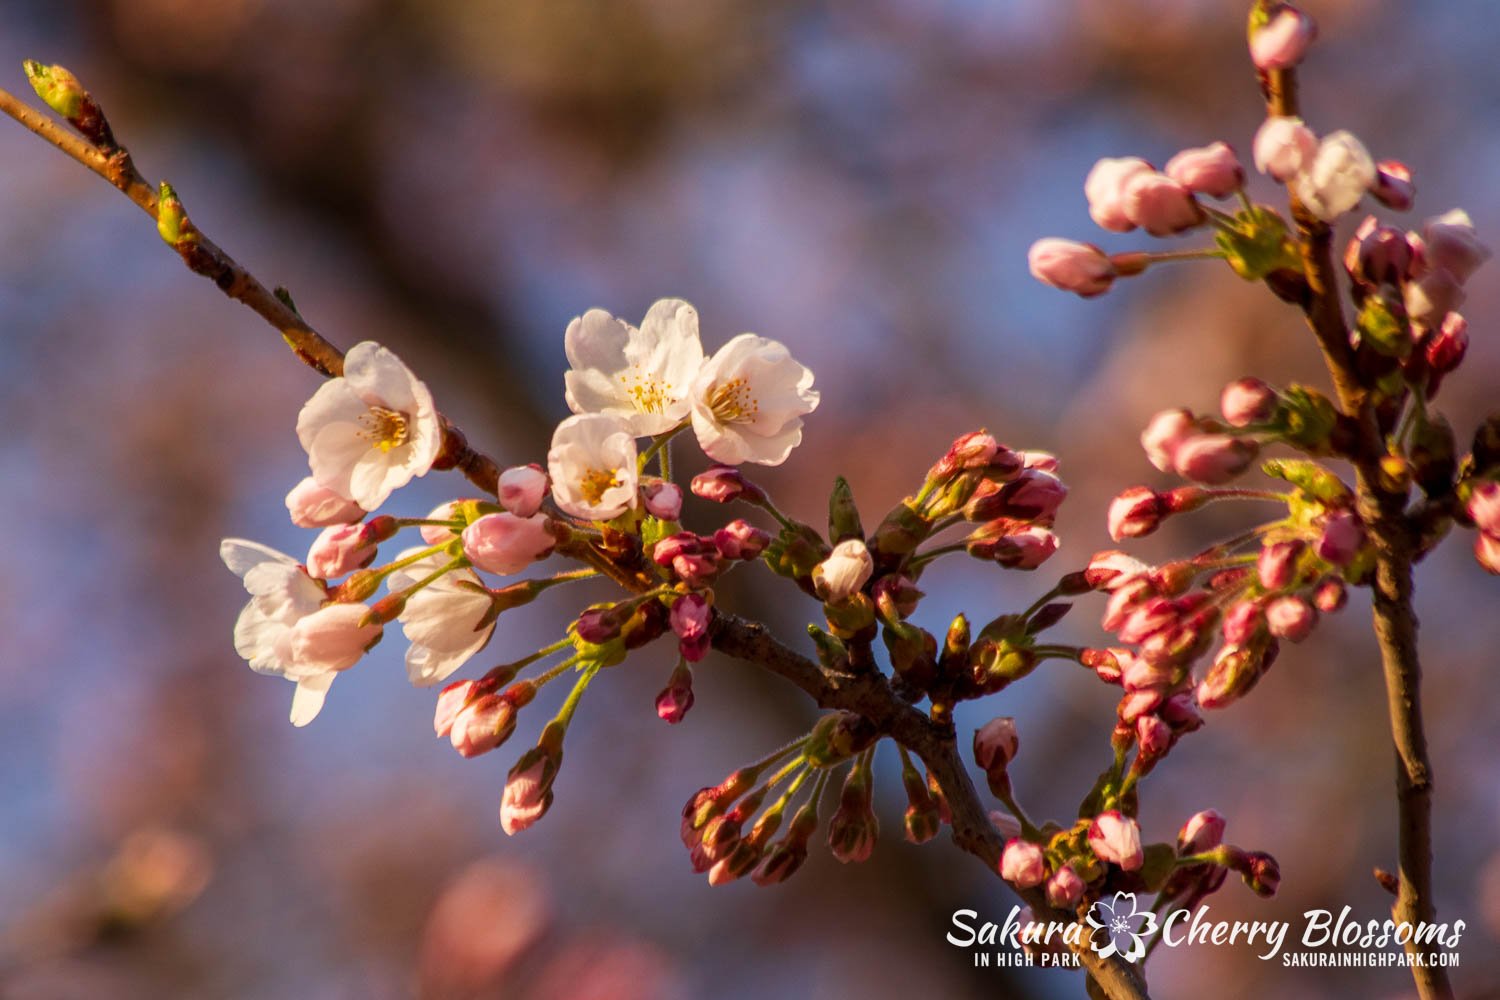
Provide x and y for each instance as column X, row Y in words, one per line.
column 307, row 702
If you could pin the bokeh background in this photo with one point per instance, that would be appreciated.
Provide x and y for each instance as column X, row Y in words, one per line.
column 458, row 179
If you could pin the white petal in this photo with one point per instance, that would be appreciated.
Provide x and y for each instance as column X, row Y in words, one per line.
column 380, row 378
column 334, row 402
column 307, row 702
column 242, row 555
column 376, row 475
column 596, row 340
column 255, row 638
column 336, row 448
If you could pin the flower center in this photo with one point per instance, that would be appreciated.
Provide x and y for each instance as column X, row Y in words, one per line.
column 595, row 483
column 1119, row 925
column 387, row 429
column 648, row 394
column 732, row 402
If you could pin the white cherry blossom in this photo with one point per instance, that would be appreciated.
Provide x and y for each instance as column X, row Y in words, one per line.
column 749, row 401
column 592, row 463
column 446, row 622
column 640, row 375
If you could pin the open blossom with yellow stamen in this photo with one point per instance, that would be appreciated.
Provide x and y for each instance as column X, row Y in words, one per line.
column 371, row 431
column 749, row 400
column 593, row 466
column 641, row 376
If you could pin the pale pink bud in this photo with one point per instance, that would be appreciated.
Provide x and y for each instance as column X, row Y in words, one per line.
column 528, row 792
column 1290, row 618
column 1115, row 838
column 1432, row 296
column 482, row 725
column 505, row 544
column 1393, row 185
column 1202, row 832
column 1277, row 564
column 451, row 701
column 1124, row 598
column 1065, row 888
column 1042, row 461
column 1025, row 549
column 1487, row 551
column 1336, row 177
column 313, row 505
column 1104, row 187
column 1213, row 459
column 1035, row 495
column 1150, row 617
column 1341, row 539
column 1005, row 824
column 1484, row 507
column 432, row 534
column 1109, row 569
column 1247, row 401
column 674, row 701
column 996, row 743
column 723, row 483
column 1283, row 40
column 1213, row 170
column 1160, row 205
column 690, row 616
column 1138, row 673
column 684, row 543
column 332, row 638
column 973, row 450
column 1452, row 244
column 1241, row 622
column 1282, row 146
column 1446, row 348
column 844, row 573
column 1138, row 703
column 662, row 500
column 739, row 539
column 1081, row 268
column 340, row 549
column 1164, row 433
column 696, row 570
column 522, row 489
column 1378, row 255
column 1134, row 513
column 1153, row 735
column 1181, row 713
column 1330, row 595
column 1023, row 864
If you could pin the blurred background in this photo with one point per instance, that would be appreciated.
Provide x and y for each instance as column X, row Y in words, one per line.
column 457, row 180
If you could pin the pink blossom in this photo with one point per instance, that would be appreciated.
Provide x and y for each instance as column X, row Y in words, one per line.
column 522, row 488
column 739, row 539
column 1134, row 513
column 1160, row 205
column 1023, row 864
column 973, row 450
column 1025, row 549
column 1487, row 551
column 1283, row 146
column 313, row 505
column 1283, row 40
column 1105, row 190
column 1452, row 244
column 1247, row 401
column 996, row 743
column 1446, row 347
column 1152, row 616
column 1330, row 595
column 1115, row 838
column 434, row 534
column 1165, row 432
column 504, row 543
column 1484, row 507
column 723, row 483
column 1109, row 569
column 1276, row 566
column 340, row 549
column 451, row 701
column 1291, row 618
column 528, row 791
column 1213, row 459
column 1341, row 539
column 1241, row 622
column 1432, row 296
column 1081, row 268
column 674, row 701
column 1378, row 255
column 1213, row 170
column 332, row 639
column 483, row 724
column 1065, row 888
column 662, row 500
column 1202, row 832
column 690, row 616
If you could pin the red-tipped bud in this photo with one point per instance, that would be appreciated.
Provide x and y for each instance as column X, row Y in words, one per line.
column 1291, row 618
column 1247, row 401
column 739, row 539
column 1202, row 832
column 723, row 483
column 1023, row 864
column 1115, row 838
column 1135, row 513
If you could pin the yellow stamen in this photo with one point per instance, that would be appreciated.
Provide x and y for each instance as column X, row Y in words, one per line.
column 595, row 483
column 648, row 394
column 387, row 429
column 731, row 402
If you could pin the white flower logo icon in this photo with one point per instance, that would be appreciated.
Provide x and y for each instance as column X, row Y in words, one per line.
column 1125, row 929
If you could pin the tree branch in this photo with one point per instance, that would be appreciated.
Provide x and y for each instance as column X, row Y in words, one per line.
column 1383, row 510
column 869, row 695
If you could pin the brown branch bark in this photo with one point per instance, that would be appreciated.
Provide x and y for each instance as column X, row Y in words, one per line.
column 1382, row 507
column 869, row 695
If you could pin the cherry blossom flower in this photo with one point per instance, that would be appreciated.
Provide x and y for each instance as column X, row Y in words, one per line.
column 372, row 430
column 315, row 506
column 521, row 489
column 1336, row 177
column 504, row 543
column 1023, row 864
column 749, row 400
column 1283, row 146
column 846, row 570
column 642, row 376
column 593, row 467
column 1115, row 837
column 446, row 622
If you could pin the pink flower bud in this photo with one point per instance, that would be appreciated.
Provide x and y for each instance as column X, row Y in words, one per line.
column 340, row 549
column 1180, row 712
column 1023, row 864
column 1341, row 539
column 1283, row 40
column 504, row 543
column 1153, row 735
column 1138, row 703
column 1081, row 268
column 690, row 616
column 1378, row 255
column 528, row 791
column 1109, row 569
column 1234, row 672
column 1453, row 246
column 1248, row 401
column 973, row 450
column 316, row 506
column 521, row 489
column 1336, row 177
column 1135, row 513
column 723, row 483
column 600, row 624
column 844, row 573
column 1276, row 566
column 1065, row 888
column 1282, row 146
column 1242, row 622
column 669, row 548
column 451, row 701
column 1445, row 349
column 1035, row 495
column 1487, row 552
column 1213, row 459
column 483, row 724
column 1393, row 186
column 1213, row 170
column 1115, row 838
column 1484, row 507
column 1105, row 663
column 1202, row 832
column 697, row 571
column 1291, row 618
column 1160, row 205
column 1432, row 296
column 739, row 539
column 896, row 596
column 1042, row 461
column 1162, row 436
column 674, row 701
column 662, row 500
column 1025, row 549
column 1151, row 616
column 1330, row 595
column 1105, row 190
column 1262, row 874
column 996, row 743
column 433, row 534
column 332, row 638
